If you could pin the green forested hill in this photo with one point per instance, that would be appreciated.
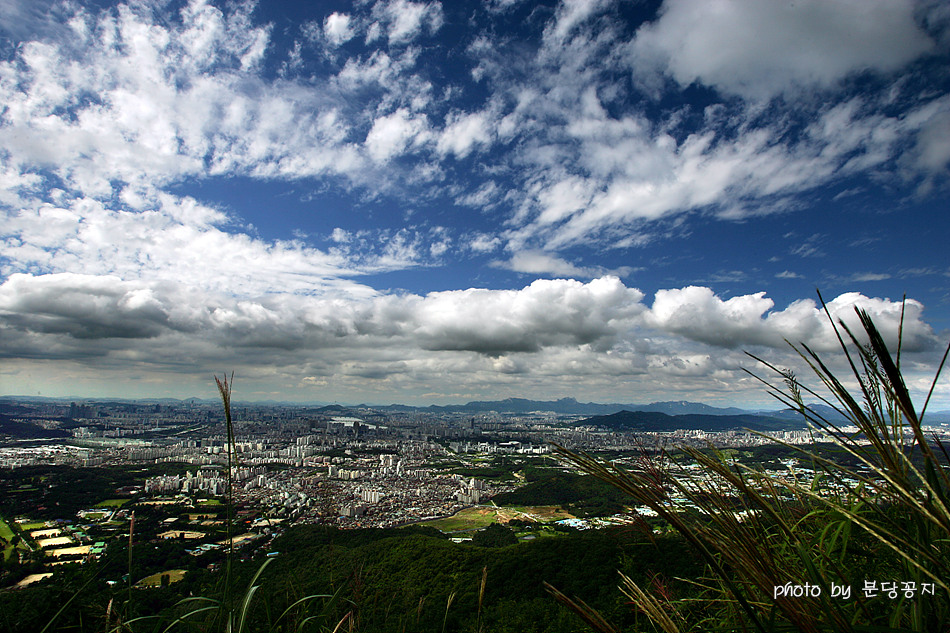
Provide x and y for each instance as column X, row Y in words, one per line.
column 402, row 579
column 389, row 579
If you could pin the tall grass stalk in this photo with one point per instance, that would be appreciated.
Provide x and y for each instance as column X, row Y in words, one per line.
column 131, row 533
column 224, row 389
column 481, row 598
column 448, row 604
column 757, row 531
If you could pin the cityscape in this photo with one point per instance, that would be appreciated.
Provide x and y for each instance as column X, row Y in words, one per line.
column 352, row 467
column 539, row 317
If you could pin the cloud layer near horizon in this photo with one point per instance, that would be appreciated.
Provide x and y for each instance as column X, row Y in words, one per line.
column 564, row 330
column 572, row 133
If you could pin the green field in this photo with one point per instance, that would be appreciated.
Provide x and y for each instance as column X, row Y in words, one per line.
column 467, row 519
column 6, row 533
column 481, row 516
column 112, row 503
column 209, row 502
column 155, row 580
column 36, row 525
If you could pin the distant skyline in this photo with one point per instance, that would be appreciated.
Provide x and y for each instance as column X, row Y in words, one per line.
column 424, row 203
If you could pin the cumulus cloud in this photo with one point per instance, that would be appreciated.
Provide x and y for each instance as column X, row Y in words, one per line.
column 552, row 334
column 546, row 313
column 698, row 314
column 391, row 134
column 600, row 315
column 543, row 314
column 172, row 238
column 82, row 306
column 167, row 102
column 108, row 117
column 462, row 133
column 759, row 49
column 338, row 28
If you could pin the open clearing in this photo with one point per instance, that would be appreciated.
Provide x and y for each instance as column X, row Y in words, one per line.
column 155, row 580
column 6, row 535
column 36, row 525
column 480, row 516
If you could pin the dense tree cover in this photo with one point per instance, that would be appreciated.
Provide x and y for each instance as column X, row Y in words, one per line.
column 387, row 576
column 57, row 492
column 389, row 579
column 582, row 495
column 495, row 535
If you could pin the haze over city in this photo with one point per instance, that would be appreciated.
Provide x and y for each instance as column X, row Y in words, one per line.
column 419, row 202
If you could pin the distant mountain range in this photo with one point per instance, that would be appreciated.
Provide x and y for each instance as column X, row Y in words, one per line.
column 562, row 406
column 658, row 422
column 569, row 406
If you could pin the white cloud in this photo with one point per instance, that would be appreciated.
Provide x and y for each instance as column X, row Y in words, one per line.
column 932, row 151
column 338, row 28
column 541, row 263
column 462, row 133
column 557, row 336
column 390, row 135
column 171, row 239
column 757, row 48
column 485, row 197
column 340, row 235
column 501, row 5
column 174, row 101
column 571, row 13
column 406, row 20
column 166, row 102
column 698, row 314
column 103, row 116
column 862, row 277
column 618, row 174
column 484, row 243
column 546, row 313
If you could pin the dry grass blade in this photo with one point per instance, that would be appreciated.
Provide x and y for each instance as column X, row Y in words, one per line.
column 893, row 500
column 649, row 605
column 448, row 604
column 586, row 613
column 224, row 389
column 346, row 618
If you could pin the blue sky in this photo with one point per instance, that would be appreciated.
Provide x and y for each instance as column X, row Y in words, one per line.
column 396, row 201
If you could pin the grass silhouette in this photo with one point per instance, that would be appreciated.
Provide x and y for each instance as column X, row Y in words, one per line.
column 777, row 549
